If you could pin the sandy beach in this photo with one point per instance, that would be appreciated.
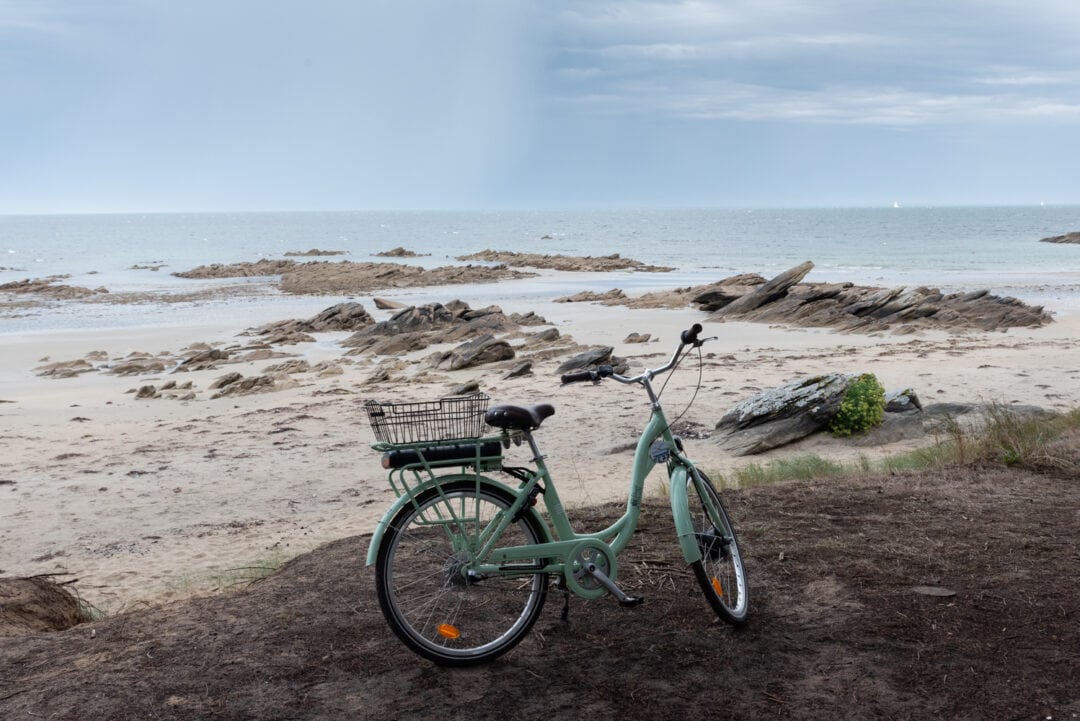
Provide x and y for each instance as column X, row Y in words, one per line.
column 149, row 499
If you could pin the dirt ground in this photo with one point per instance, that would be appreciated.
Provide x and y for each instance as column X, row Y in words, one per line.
column 843, row 626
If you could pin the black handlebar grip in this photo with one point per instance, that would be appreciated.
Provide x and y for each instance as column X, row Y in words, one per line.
column 690, row 336
column 577, row 377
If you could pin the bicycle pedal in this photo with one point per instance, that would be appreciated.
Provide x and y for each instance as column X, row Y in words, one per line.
column 624, row 600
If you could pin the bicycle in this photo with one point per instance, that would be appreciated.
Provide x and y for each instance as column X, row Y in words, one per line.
column 463, row 561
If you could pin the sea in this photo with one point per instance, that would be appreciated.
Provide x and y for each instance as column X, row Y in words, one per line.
column 951, row 248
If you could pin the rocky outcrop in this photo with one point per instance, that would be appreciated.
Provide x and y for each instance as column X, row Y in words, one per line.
column 169, row 389
column 348, row 316
column 787, row 299
column 346, row 277
column 138, row 364
column 65, row 369
column 49, row 287
column 235, row 384
column 1073, row 237
column 415, row 328
column 600, row 264
column 612, row 297
column 238, row 270
column 850, row 308
column 400, row 252
column 715, row 296
column 314, row 252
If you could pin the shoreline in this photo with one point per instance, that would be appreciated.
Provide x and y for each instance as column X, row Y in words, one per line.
column 150, row 500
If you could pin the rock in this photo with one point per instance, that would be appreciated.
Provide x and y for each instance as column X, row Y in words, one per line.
column 263, row 267
column 384, row 304
column 479, row 351
column 345, row 277
column 715, row 296
column 64, row 369
column 591, row 359
column 604, row 263
column 393, row 345
column 49, row 287
column 521, row 369
column 768, row 291
column 225, row 380
column 327, row 370
column 348, row 316
column 204, row 360
column 851, row 308
column 398, row 252
column 287, row 336
column 234, row 384
column 527, row 319
column 296, row 365
column 137, row 366
column 343, row 316
column 415, row 328
column 588, row 296
column 466, row 389
column 256, row 355
column 384, row 371
column 146, row 392
column 1073, row 237
column 637, row 338
column 545, row 336
column 779, row 416
column 904, row 401
column 314, row 252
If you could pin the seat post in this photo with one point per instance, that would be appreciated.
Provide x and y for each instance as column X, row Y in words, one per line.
column 537, row 456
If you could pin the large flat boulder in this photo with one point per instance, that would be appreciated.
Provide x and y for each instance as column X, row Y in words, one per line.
column 781, row 415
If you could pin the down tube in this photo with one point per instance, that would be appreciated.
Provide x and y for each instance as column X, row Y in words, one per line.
column 643, row 465
column 680, row 512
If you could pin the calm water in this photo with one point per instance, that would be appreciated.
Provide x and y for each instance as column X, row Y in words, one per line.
column 951, row 248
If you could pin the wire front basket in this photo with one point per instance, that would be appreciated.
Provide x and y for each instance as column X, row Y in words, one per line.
column 441, row 420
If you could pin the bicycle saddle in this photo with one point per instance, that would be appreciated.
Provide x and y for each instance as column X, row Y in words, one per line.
column 518, row 418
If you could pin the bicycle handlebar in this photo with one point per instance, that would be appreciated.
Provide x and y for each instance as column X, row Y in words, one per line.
column 589, row 375
column 687, row 337
column 690, row 335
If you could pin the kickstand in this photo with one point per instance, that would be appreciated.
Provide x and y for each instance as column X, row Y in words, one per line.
column 565, row 615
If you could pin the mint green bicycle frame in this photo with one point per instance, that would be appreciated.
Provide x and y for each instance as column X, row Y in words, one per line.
column 489, row 559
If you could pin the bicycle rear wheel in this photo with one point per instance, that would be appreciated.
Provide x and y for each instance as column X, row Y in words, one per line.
column 431, row 599
column 720, row 570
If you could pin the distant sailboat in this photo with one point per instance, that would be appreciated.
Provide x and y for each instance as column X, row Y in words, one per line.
column 896, row 204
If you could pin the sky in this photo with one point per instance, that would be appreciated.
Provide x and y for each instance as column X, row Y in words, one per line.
column 225, row 105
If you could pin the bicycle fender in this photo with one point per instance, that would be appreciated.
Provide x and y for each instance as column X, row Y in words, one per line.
column 680, row 512
column 384, row 522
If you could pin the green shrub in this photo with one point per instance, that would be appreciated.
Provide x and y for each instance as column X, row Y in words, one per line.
column 862, row 408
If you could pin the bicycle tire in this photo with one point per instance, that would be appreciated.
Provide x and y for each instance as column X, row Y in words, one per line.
column 425, row 592
column 720, row 572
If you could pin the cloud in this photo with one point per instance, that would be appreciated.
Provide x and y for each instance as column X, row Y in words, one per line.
column 889, row 64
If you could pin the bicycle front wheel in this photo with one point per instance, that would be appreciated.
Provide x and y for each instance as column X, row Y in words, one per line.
column 720, row 570
column 433, row 600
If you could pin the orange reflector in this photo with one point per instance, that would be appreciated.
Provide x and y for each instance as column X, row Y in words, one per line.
column 717, row 587
column 448, row 631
